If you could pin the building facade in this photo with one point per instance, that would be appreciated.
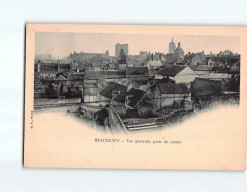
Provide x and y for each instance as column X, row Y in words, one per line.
column 198, row 59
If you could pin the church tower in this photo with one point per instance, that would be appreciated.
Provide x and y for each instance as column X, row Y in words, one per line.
column 172, row 47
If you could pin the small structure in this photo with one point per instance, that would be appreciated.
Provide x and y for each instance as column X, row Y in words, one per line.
column 136, row 101
column 95, row 81
column 154, row 64
column 70, row 84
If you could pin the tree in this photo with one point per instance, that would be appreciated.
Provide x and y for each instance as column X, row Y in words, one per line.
column 122, row 57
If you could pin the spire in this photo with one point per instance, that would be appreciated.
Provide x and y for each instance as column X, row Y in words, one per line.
column 172, row 39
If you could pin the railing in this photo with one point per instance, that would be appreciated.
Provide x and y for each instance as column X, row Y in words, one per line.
column 115, row 120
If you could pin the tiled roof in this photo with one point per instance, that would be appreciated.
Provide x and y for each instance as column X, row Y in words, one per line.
column 137, row 82
column 234, row 60
column 48, row 67
column 64, row 65
column 108, row 90
column 173, row 88
column 60, row 77
column 134, row 95
column 48, row 64
column 64, row 74
column 104, row 73
column 235, row 68
column 77, row 76
column 138, row 70
column 200, row 68
column 164, row 63
column 170, row 70
column 155, row 63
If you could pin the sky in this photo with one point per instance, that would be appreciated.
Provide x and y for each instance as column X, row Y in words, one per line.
column 61, row 44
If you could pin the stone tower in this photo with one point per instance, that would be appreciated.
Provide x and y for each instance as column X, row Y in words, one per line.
column 119, row 47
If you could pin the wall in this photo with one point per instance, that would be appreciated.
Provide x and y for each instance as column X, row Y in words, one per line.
column 168, row 100
column 202, row 87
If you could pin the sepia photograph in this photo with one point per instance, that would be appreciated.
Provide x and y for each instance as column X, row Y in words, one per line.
column 131, row 82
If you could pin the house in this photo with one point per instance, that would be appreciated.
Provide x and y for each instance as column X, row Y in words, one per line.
column 45, row 67
column 64, row 67
column 168, row 94
column 210, row 61
column 74, row 66
column 180, row 74
column 113, row 66
column 125, row 94
column 128, row 101
column 46, row 71
column 216, row 76
column 70, row 84
column 44, row 76
column 198, row 59
column 221, row 69
column 115, row 88
column 137, row 74
column 154, row 64
column 235, row 68
column 95, row 81
column 205, row 87
column 224, row 78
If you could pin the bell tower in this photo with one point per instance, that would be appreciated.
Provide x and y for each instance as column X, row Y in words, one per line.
column 172, row 46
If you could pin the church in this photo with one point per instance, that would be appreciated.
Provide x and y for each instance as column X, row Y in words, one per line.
column 177, row 54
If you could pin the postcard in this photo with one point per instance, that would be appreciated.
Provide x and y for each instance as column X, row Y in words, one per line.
column 135, row 97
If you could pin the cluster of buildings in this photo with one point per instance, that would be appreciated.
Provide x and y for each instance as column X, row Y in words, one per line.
column 138, row 86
